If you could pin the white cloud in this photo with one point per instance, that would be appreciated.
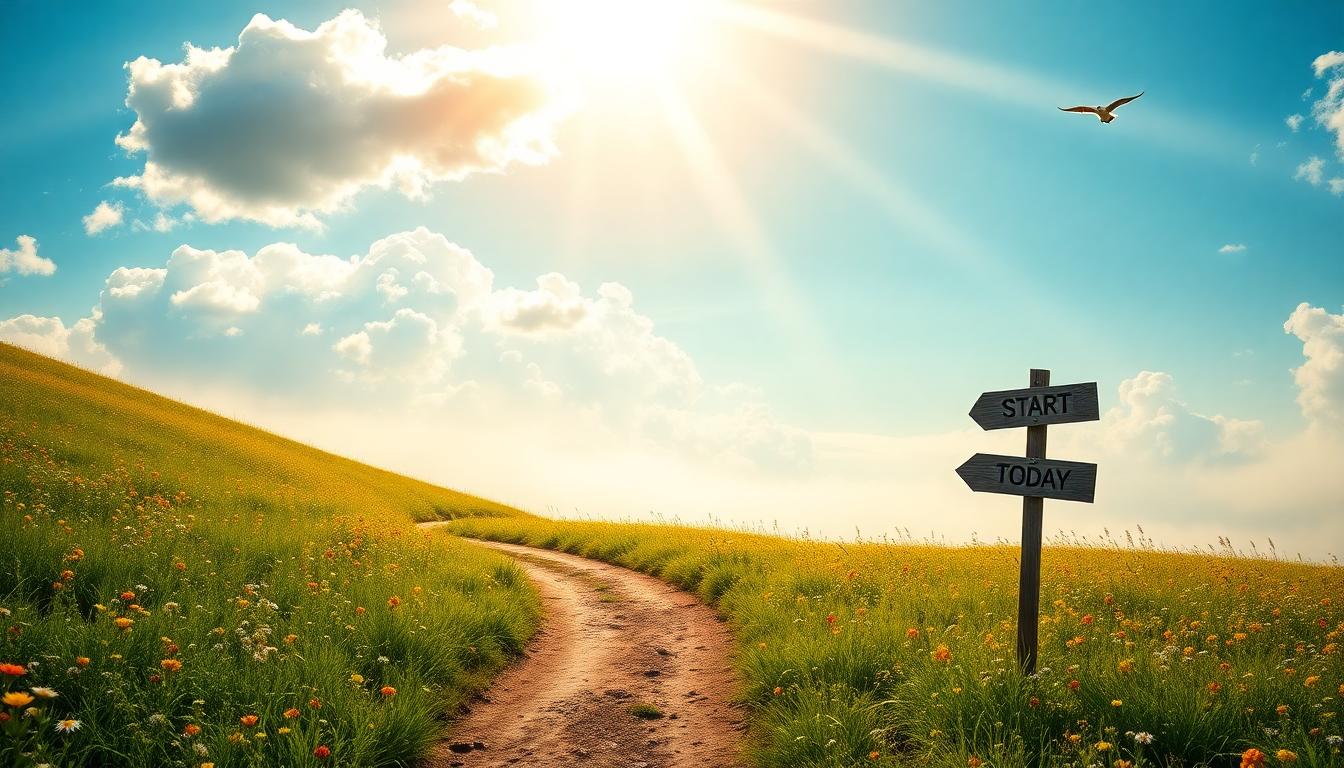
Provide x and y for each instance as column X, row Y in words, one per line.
column 104, row 216
column 473, row 13
column 1232, row 248
column 1337, row 186
column 1329, row 110
column 25, row 260
column 311, row 329
column 1151, row 422
column 290, row 124
column 1320, row 380
column 1312, row 171
column 1293, row 122
column 556, row 305
column 49, row 336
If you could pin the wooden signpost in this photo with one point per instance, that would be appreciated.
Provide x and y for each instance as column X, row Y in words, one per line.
column 1033, row 477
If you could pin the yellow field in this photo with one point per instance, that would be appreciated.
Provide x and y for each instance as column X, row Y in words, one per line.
column 898, row 654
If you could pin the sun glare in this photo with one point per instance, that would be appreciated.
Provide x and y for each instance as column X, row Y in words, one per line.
column 625, row 43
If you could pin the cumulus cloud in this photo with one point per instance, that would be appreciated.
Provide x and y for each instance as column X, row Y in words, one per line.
column 1337, row 186
column 419, row 319
column 25, row 260
column 1150, row 420
column 1293, row 122
column 105, row 216
column 1329, row 109
column 49, row 336
column 1232, row 248
column 1320, row 380
column 1311, row 171
column 290, row 124
column 473, row 13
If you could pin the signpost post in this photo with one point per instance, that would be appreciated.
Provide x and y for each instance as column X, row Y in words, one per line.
column 1033, row 477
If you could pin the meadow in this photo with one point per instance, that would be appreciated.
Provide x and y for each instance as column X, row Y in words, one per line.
column 177, row 589
column 902, row 654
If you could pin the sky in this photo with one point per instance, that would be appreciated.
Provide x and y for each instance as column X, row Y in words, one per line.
column 745, row 262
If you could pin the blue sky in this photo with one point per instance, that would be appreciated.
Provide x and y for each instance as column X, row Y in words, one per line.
column 917, row 233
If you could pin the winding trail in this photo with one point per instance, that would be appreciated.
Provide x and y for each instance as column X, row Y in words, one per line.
column 610, row 638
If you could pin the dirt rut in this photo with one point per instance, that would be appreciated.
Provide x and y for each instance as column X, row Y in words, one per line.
column 611, row 639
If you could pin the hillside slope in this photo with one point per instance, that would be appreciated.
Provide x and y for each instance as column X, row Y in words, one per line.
column 178, row 588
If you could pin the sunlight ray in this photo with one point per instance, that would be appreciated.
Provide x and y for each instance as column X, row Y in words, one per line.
column 727, row 203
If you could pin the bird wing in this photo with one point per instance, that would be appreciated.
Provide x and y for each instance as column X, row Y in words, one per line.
column 1089, row 110
column 1122, row 102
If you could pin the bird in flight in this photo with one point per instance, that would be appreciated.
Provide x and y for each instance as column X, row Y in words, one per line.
column 1107, row 113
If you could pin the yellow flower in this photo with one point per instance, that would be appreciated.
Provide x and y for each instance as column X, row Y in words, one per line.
column 17, row 699
column 1126, row 666
column 357, row 679
column 1102, row 746
column 123, row 623
column 282, row 730
column 1117, row 702
column 1286, row 756
column 1311, row 680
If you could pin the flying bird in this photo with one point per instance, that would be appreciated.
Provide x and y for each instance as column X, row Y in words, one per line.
column 1105, row 114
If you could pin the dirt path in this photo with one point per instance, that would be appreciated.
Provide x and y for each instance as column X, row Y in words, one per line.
column 611, row 639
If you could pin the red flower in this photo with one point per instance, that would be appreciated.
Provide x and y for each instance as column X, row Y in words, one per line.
column 322, row 752
column 13, row 670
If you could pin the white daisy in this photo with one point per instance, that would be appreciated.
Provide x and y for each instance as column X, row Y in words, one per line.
column 68, row 726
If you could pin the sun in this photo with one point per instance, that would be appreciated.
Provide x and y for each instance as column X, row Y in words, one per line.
column 624, row 44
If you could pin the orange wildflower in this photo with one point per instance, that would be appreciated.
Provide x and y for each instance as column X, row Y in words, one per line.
column 13, row 670
column 1252, row 758
column 191, row 730
column 388, row 691
column 170, row 665
column 248, row 720
column 393, row 601
column 291, row 713
column 941, row 654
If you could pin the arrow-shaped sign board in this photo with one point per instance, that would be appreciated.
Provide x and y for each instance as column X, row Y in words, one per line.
column 1042, row 478
column 1036, row 406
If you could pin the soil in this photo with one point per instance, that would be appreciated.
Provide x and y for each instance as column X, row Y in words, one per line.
column 613, row 643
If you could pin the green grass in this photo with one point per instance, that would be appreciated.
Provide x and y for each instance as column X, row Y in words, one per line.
column 259, row 577
column 645, row 711
column 903, row 655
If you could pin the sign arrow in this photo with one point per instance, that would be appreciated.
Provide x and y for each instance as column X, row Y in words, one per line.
column 1036, row 406
column 1039, row 478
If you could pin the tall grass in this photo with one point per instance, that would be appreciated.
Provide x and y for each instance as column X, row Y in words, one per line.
column 880, row 654
column 178, row 589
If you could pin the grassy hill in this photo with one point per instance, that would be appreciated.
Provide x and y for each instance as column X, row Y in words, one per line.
column 180, row 589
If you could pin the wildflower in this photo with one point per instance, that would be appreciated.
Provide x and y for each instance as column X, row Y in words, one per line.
column 179, row 565
column 243, row 603
column 1286, row 756
column 170, row 665
column 357, row 678
column 1335, row 740
column 191, row 729
column 1033, row 702
column 912, row 633
column 1117, row 702
column 974, row 762
column 941, row 654
column 17, row 699
column 1143, row 737
column 283, row 730
column 393, row 601
column 123, row 623
column 82, row 661
column 1215, row 687
column 1126, row 666
column 68, row 726
column 290, row 638
column 248, row 720
column 13, row 670
column 1311, row 680
column 1252, row 758
column 127, row 596
column 1074, row 685
column 1087, row 620
column 388, row 691
column 291, row 713
column 207, row 765
column 322, row 752
column 778, row 691
column 44, row 693
column 1124, row 764
column 1282, row 709
column 1102, row 746
column 315, row 703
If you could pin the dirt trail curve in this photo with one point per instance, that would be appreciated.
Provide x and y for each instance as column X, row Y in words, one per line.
column 611, row 638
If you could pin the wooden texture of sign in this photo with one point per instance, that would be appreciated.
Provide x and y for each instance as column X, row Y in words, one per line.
column 1036, row 406
column 1022, row 476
